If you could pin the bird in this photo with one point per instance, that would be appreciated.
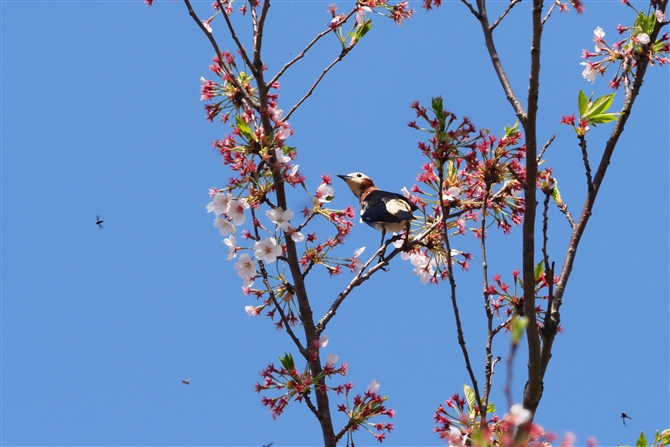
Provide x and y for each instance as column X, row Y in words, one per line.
column 98, row 222
column 623, row 418
column 186, row 381
column 382, row 210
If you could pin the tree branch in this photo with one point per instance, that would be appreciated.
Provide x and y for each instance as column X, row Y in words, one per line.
column 323, row 73
column 585, row 157
column 234, row 36
column 502, row 16
column 224, row 65
column 302, row 53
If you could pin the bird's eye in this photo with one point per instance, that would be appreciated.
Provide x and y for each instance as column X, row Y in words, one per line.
column 358, row 175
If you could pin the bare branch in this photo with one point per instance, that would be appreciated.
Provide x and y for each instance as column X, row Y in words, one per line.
column 452, row 285
column 585, row 157
column 302, row 53
column 495, row 58
column 563, row 208
column 502, row 16
column 546, row 145
column 234, row 36
column 363, row 276
column 488, row 368
column 323, row 73
column 551, row 9
column 472, row 10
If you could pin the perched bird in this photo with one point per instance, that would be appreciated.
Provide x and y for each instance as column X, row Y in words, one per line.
column 382, row 210
column 623, row 418
column 98, row 221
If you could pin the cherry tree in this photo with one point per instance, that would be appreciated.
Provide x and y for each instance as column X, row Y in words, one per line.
column 473, row 181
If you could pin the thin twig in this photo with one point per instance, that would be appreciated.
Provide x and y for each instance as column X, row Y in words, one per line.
column 587, row 166
column 323, row 73
column 284, row 319
column 302, row 53
column 472, row 10
column 454, row 304
column 224, row 65
column 551, row 9
column 563, row 208
column 363, row 276
column 546, row 145
column 502, row 325
column 548, row 269
column 488, row 368
column 502, row 16
column 234, row 36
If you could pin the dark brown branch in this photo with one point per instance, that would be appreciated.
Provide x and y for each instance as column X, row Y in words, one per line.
column 502, row 16
column 452, row 286
column 224, row 65
column 495, row 59
column 488, row 368
column 563, row 208
column 534, row 385
column 240, row 47
column 544, row 148
column 304, row 51
column 264, row 274
column 363, row 276
column 585, row 157
column 472, row 10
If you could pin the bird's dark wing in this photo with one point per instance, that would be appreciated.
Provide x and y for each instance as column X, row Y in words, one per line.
column 386, row 207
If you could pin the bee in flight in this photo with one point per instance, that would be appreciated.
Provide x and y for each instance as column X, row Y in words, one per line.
column 98, row 221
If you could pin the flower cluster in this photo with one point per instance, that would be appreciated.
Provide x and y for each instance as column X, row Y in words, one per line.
column 362, row 409
column 470, row 175
column 509, row 299
column 459, row 424
column 625, row 54
column 398, row 12
column 298, row 386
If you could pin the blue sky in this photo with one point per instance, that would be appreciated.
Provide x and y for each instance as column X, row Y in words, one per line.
column 101, row 115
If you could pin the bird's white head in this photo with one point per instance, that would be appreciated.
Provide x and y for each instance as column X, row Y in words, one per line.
column 357, row 182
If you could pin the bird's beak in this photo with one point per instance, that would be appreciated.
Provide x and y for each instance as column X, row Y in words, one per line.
column 343, row 177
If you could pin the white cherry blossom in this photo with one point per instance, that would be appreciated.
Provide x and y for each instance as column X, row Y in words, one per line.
column 224, row 226
column 267, row 250
column 280, row 217
column 232, row 247
column 246, row 268
column 235, row 210
column 325, row 193
column 219, row 203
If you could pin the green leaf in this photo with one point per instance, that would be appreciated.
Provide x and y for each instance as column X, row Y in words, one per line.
column 641, row 441
column 581, row 102
column 242, row 125
column 603, row 118
column 287, row 362
column 490, row 408
column 363, row 29
column 556, row 195
column 518, row 326
column 539, row 269
column 664, row 438
column 600, row 105
column 470, row 397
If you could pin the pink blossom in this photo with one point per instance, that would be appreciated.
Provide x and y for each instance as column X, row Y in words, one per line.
column 373, row 387
column 235, row 210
